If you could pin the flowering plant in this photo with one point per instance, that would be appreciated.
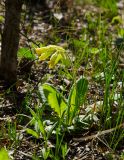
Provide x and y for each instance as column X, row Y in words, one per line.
column 56, row 54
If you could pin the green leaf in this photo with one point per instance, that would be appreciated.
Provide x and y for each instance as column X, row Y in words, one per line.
column 78, row 44
column 42, row 128
column 25, row 53
column 117, row 19
column 33, row 133
column 77, row 97
column 54, row 98
column 51, row 130
column 33, row 114
column 4, row 154
column 95, row 50
column 38, row 120
column 81, row 90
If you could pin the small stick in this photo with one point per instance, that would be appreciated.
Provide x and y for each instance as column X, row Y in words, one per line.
column 100, row 133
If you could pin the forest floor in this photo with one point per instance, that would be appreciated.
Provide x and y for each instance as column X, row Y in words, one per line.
column 87, row 31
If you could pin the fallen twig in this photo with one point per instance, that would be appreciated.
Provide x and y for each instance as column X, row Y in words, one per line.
column 100, row 133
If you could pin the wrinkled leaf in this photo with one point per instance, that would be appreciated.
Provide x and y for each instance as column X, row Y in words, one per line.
column 54, row 98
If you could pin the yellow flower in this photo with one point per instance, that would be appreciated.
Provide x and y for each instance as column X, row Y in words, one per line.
column 44, row 56
column 55, row 58
column 50, row 49
column 57, row 53
column 38, row 51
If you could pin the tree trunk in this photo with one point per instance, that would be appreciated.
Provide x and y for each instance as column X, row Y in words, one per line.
column 10, row 40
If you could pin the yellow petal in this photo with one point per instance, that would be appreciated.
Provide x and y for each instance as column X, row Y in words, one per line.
column 44, row 56
column 59, row 57
column 51, row 49
column 58, row 53
column 52, row 60
column 53, row 57
column 38, row 51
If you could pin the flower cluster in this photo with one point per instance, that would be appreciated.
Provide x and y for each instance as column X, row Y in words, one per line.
column 56, row 54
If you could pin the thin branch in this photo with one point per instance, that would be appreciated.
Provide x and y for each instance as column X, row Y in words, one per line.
column 100, row 133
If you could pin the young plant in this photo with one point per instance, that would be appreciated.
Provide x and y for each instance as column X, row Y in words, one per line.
column 66, row 109
column 40, row 131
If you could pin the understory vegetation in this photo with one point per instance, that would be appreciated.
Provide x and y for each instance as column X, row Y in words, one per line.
column 69, row 102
